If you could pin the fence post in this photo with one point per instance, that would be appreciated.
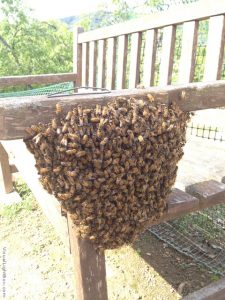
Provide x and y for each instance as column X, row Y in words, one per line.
column 5, row 170
column 77, row 55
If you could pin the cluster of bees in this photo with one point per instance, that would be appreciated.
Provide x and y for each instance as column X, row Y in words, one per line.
column 111, row 166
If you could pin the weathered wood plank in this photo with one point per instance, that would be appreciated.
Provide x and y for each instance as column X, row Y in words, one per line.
column 122, row 62
column 111, row 64
column 77, row 55
column 166, row 65
column 16, row 114
column 178, row 203
column 101, row 63
column 85, row 64
column 134, row 71
column 215, row 48
column 214, row 291
column 36, row 79
column 92, row 63
column 5, row 170
column 209, row 192
column 188, row 52
column 89, row 268
column 25, row 164
column 149, row 57
column 197, row 197
column 13, row 169
column 176, row 15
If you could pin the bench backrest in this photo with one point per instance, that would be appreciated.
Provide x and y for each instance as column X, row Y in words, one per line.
column 160, row 49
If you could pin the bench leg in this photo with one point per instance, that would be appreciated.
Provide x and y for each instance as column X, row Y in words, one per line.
column 89, row 268
column 5, row 170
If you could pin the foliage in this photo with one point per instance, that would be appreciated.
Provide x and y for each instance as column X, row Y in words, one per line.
column 29, row 46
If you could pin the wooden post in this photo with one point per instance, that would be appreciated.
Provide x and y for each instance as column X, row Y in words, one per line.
column 89, row 267
column 77, row 56
column 6, row 170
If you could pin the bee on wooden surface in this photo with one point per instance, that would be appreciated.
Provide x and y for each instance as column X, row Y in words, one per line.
column 30, row 131
column 36, row 128
column 58, row 109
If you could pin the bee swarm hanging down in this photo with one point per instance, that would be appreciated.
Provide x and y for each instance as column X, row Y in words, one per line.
column 112, row 166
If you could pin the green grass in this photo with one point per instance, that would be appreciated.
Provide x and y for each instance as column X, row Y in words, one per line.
column 27, row 203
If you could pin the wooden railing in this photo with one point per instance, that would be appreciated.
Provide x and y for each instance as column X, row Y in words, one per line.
column 101, row 56
column 9, row 81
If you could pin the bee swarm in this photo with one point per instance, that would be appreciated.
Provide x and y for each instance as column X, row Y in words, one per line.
column 112, row 166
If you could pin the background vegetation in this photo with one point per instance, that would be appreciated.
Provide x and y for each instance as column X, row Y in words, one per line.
column 30, row 46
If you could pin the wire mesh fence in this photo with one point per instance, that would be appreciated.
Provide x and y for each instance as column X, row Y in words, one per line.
column 199, row 235
column 206, row 132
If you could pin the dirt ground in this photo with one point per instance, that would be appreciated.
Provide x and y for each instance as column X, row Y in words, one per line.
column 38, row 265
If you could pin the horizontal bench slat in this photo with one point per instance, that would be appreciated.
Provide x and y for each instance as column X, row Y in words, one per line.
column 9, row 81
column 175, row 15
column 16, row 114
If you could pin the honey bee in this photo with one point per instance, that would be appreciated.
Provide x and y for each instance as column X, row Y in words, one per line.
column 69, row 115
column 95, row 120
column 65, row 196
column 44, row 170
column 36, row 128
column 72, row 173
column 57, row 169
column 71, row 151
column 54, row 124
column 29, row 131
column 65, row 127
column 58, row 109
column 84, row 139
column 105, row 111
column 80, row 153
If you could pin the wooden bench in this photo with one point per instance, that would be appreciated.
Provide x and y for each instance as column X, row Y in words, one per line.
column 96, row 55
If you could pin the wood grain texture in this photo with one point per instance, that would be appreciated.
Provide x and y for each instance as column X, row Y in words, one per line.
column 215, row 48
column 101, row 63
column 6, row 173
column 77, row 55
column 176, row 15
column 111, row 64
column 214, row 291
column 89, row 268
column 166, row 65
column 149, row 57
column 188, row 52
column 85, row 64
column 36, row 79
column 51, row 207
column 209, row 192
column 122, row 62
column 16, row 114
column 135, row 52
column 197, row 197
column 178, row 203
column 92, row 63
column 13, row 169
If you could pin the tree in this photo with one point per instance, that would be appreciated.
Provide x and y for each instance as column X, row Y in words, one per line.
column 29, row 46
